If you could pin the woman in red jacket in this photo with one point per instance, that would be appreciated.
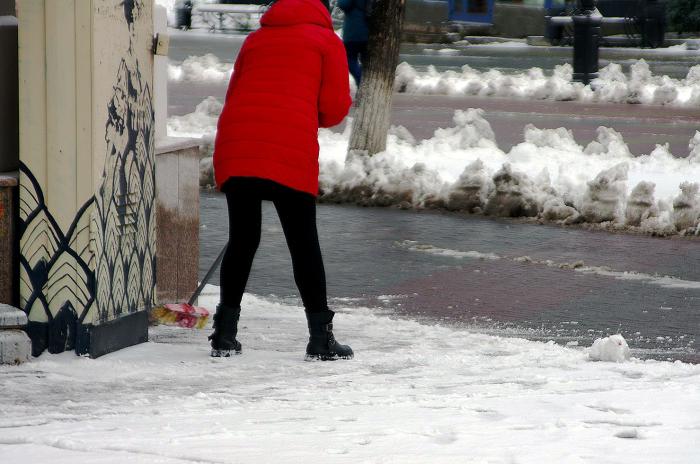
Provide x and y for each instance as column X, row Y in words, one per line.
column 290, row 78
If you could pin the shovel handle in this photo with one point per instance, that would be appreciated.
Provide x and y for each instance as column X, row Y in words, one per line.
column 208, row 275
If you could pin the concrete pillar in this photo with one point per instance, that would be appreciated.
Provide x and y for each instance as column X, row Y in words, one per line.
column 9, row 291
column 87, row 174
column 177, row 184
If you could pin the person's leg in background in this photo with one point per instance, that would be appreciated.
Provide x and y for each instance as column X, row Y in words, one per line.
column 297, row 213
column 353, row 51
column 245, row 218
column 364, row 54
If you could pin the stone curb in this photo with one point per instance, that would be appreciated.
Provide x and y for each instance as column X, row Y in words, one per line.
column 15, row 345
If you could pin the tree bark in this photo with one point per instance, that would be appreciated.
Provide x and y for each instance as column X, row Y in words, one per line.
column 372, row 118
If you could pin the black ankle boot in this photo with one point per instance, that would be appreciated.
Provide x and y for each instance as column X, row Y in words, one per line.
column 322, row 344
column 223, row 340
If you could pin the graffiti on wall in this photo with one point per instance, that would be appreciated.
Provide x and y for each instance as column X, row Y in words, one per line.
column 56, row 275
column 125, row 202
column 103, row 266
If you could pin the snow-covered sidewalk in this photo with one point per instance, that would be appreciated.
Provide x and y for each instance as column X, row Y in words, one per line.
column 414, row 393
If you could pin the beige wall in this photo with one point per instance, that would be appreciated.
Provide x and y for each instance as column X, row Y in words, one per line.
column 87, row 148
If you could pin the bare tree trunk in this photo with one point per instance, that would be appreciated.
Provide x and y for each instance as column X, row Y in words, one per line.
column 372, row 118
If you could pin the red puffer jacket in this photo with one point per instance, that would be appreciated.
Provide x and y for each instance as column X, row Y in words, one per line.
column 291, row 77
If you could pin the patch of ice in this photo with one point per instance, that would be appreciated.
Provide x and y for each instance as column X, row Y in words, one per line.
column 610, row 349
column 578, row 266
column 659, row 280
column 507, row 44
column 415, row 246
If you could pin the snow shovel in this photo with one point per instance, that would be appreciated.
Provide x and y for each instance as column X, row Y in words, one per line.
column 186, row 314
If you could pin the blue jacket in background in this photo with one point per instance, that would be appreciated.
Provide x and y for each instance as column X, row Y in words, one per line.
column 355, row 27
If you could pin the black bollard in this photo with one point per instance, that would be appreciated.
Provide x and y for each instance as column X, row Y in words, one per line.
column 586, row 42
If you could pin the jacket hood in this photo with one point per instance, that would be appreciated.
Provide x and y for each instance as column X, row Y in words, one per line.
column 293, row 12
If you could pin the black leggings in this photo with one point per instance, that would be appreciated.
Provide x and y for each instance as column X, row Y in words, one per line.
column 297, row 213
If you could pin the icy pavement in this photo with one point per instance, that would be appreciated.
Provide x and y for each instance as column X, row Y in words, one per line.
column 414, row 393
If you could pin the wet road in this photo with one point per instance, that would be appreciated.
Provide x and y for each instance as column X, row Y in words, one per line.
column 409, row 262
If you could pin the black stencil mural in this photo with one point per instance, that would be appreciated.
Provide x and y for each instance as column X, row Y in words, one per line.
column 103, row 266
column 55, row 269
column 125, row 202
column 125, row 212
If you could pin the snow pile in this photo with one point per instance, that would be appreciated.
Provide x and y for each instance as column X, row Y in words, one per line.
column 200, row 123
column 612, row 85
column 610, row 349
column 440, row 393
column 547, row 177
column 207, row 68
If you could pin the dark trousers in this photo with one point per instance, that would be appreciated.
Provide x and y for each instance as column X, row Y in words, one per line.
column 357, row 57
column 297, row 213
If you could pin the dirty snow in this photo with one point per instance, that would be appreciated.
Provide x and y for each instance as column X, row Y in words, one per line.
column 206, row 68
column 548, row 177
column 640, row 85
column 414, row 393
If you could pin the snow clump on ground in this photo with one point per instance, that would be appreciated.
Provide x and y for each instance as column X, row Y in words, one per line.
column 547, row 177
column 610, row 349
